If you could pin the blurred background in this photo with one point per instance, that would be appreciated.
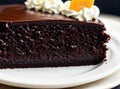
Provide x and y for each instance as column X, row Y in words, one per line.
column 106, row 6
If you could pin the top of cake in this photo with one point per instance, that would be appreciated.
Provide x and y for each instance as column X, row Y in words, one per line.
column 18, row 13
column 37, row 10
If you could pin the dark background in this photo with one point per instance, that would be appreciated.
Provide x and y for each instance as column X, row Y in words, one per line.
column 106, row 6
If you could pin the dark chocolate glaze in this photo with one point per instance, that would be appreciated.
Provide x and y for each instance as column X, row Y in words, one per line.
column 20, row 14
column 35, row 39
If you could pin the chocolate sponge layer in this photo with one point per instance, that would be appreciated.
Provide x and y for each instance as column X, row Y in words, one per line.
column 51, row 44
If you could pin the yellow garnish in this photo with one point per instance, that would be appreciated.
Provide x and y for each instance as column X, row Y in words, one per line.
column 78, row 5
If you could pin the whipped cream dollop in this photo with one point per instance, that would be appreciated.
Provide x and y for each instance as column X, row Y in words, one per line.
column 49, row 6
column 58, row 7
column 83, row 15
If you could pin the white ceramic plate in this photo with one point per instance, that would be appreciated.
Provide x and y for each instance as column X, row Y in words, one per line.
column 68, row 76
column 105, row 83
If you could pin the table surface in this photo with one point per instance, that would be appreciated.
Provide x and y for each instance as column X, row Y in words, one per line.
column 10, row 87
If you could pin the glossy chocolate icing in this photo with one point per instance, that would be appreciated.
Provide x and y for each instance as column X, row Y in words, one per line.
column 18, row 13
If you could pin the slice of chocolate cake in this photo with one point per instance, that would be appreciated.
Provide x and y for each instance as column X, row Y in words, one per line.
column 37, row 39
